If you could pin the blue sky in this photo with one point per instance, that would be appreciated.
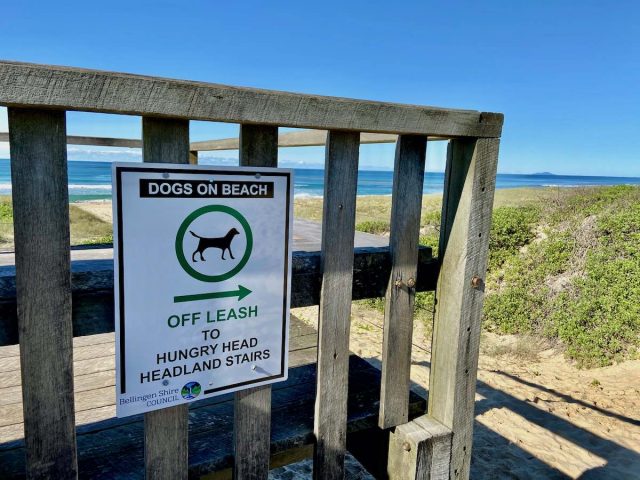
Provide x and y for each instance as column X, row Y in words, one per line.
column 565, row 73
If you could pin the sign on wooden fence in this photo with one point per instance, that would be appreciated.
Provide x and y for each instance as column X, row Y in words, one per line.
column 202, row 281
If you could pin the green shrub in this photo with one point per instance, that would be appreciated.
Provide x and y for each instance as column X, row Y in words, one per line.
column 6, row 212
column 594, row 305
column 511, row 229
column 376, row 227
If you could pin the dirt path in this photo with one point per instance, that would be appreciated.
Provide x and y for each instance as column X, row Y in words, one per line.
column 537, row 416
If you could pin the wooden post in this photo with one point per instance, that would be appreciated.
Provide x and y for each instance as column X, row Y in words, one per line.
column 252, row 417
column 408, row 181
column 166, row 431
column 419, row 450
column 193, row 157
column 466, row 222
column 43, row 282
column 338, row 229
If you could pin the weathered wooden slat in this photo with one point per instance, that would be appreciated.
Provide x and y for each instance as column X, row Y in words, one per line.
column 302, row 138
column 166, row 431
column 96, row 141
column 113, row 448
column 30, row 85
column 92, row 286
column 336, row 264
column 419, row 450
column 408, row 179
column 466, row 218
column 43, row 281
column 252, row 421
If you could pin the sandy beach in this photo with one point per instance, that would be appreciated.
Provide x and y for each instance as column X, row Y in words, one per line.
column 537, row 416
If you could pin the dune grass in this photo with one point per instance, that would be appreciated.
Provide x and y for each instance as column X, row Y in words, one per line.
column 564, row 266
column 85, row 228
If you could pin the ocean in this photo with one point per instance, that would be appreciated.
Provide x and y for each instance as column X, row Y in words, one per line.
column 92, row 180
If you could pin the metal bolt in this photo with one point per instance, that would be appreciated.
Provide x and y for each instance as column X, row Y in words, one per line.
column 398, row 283
column 257, row 175
column 165, row 382
column 340, row 206
column 253, row 367
column 411, row 283
column 406, row 446
column 476, row 282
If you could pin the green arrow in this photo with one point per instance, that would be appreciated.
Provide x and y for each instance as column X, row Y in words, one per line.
column 241, row 292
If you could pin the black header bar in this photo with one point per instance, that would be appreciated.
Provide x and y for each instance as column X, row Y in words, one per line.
column 160, row 188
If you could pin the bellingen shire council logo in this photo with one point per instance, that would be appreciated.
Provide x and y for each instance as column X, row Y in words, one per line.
column 191, row 390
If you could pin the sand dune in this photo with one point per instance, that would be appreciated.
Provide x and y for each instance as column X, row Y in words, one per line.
column 537, row 416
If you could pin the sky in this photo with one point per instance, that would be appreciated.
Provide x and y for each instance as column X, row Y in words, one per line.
column 566, row 74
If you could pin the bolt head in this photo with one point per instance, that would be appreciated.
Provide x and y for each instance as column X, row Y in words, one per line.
column 406, row 446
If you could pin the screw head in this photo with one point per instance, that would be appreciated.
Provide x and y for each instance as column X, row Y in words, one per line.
column 411, row 283
column 406, row 446
column 398, row 283
column 476, row 282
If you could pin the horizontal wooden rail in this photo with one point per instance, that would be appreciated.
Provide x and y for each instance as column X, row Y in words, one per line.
column 302, row 138
column 94, row 141
column 92, row 287
column 44, row 86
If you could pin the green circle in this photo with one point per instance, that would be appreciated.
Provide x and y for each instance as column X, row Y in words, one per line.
column 183, row 230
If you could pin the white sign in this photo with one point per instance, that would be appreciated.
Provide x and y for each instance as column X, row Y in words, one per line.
column 202, row 281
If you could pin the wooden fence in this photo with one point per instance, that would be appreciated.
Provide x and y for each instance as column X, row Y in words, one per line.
column 38, row 311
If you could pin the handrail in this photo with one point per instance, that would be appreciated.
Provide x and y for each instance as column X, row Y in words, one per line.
column 54, row 87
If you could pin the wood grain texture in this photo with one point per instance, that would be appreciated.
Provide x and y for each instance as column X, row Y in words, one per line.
column 43, row 284
column 33, row 85
column 114, row 448
column 419, row 450
column 302, row 138
column 252, row 422
column 166, row 431
column 467, row 206
column 92, row 287
column 406, row 203
column 258, row 146
column 165, row 140
column 338, row 229
column 97, row 141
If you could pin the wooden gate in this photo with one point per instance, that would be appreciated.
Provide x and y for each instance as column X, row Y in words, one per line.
column 435, row 445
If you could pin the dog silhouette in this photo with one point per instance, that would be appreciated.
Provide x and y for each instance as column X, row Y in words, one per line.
column 223, row 243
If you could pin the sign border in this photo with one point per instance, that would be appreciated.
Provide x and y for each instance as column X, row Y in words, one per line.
column 119, row 169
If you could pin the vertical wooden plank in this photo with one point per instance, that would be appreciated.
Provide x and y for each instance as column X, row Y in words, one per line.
column 406, row 203
column 252, row 415
column 193, row 157
column 419, row 450
column 338, row 229
column 466, row 221
column 41, row 223
column 166, row 431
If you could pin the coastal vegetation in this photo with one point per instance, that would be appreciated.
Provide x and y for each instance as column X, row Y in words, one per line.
column 564, row 264
column 85, row 228
column 564, row 267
